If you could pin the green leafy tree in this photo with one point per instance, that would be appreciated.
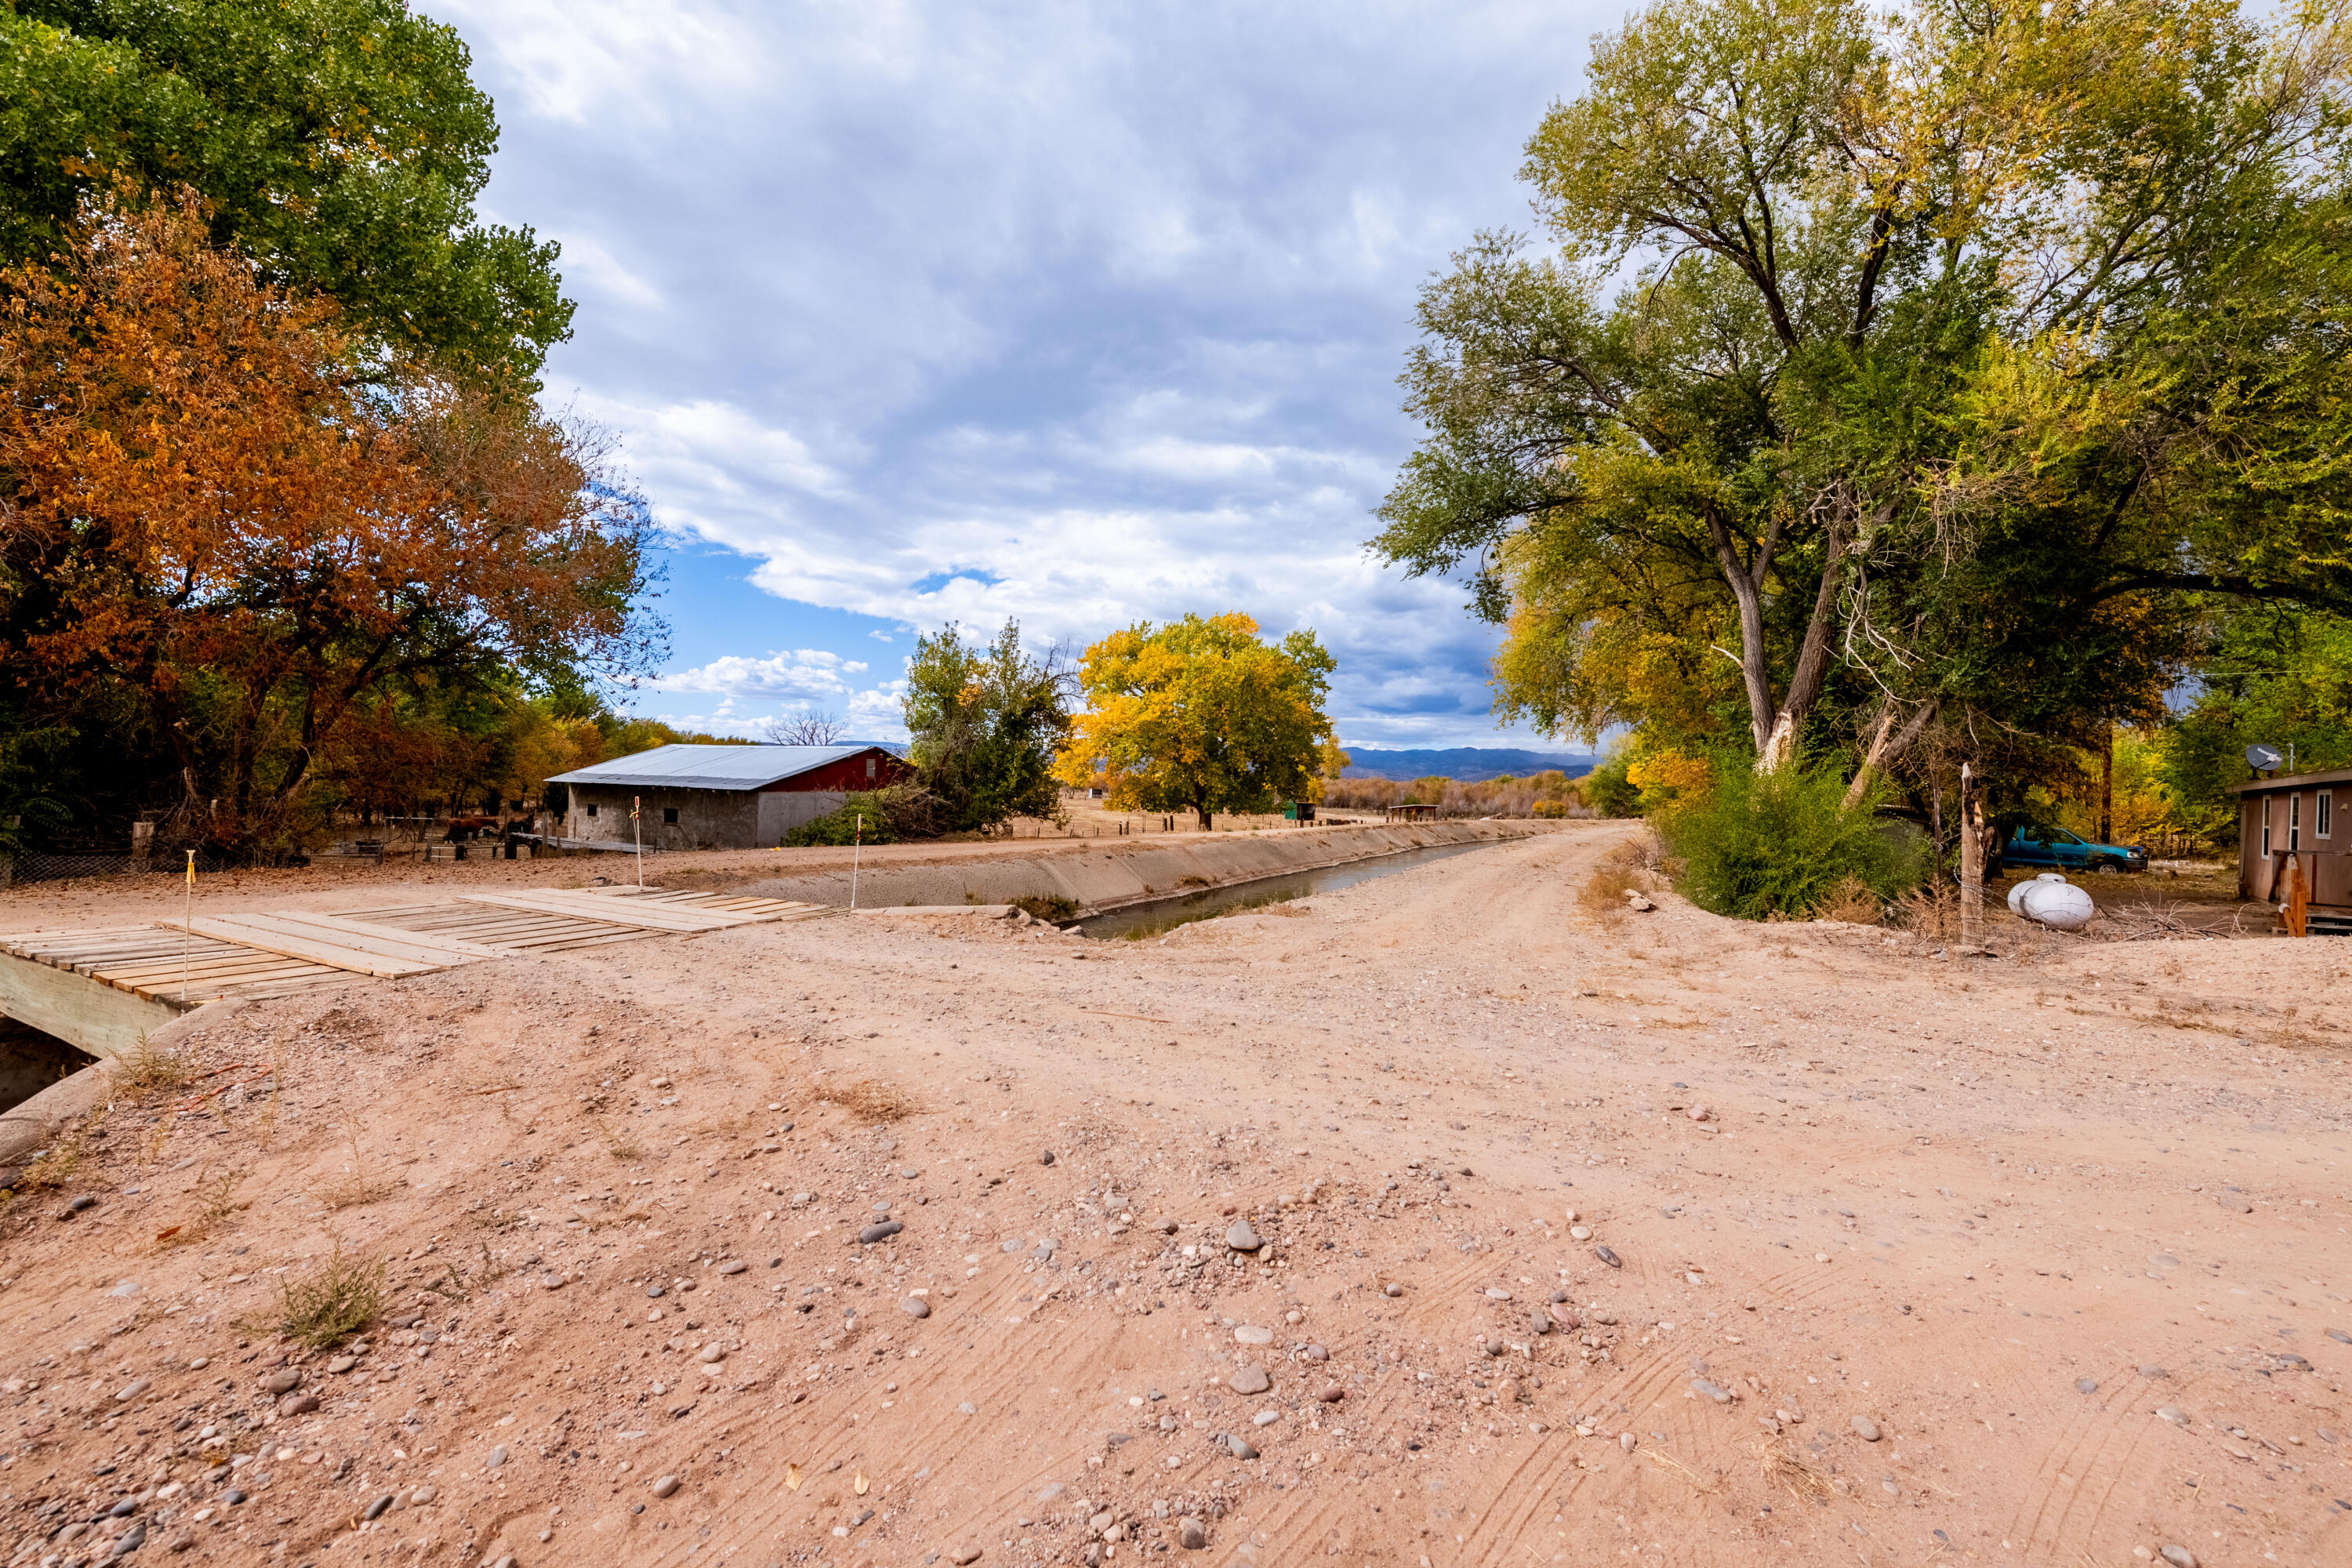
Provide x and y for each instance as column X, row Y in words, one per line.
column 1199, row 715
column 2277, row 674
column 1929, row 369
column 339, row 143
column 985, row 720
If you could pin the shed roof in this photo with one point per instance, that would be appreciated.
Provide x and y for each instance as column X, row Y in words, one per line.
column 709, row 767
column 2292, row 781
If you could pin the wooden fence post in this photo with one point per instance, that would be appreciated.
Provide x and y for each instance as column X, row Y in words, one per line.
column 1971, row 862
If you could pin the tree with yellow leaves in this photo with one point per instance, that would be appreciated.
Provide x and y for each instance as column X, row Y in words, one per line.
column 1199, row 715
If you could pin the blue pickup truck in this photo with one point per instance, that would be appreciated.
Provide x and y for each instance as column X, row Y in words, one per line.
column 2038, row 844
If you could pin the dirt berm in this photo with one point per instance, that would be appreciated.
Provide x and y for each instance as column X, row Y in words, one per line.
column 1100, row 874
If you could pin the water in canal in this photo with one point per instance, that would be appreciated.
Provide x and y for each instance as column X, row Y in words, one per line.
column 1136, row 921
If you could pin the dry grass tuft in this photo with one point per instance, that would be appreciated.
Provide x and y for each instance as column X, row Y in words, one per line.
column 1932, row 911
column 620, row 1142
column 1675, row 1468
column 1782, row 1467
column 1635, row 865
column 341, row 1297
column 356, row 1185
column 1852, row 901
column 148, row 1070
column 1051, row 908
column 353, row 1189
column 874, row 1100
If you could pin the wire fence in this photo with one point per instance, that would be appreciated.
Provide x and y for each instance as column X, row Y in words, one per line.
column 39, row 867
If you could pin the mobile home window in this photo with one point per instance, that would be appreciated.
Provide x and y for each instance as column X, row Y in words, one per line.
column 2320, row 822
column 2293, row 822
column 2266, row 825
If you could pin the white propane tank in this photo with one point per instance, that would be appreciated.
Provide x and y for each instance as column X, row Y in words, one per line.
column 2017, row 893
column 2059, row 905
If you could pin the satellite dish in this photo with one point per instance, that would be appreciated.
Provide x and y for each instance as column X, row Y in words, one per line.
column 2264, row 759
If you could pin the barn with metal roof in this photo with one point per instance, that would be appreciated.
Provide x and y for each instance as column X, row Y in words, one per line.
column 719, row 797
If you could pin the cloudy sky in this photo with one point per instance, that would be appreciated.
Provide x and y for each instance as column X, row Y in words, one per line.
column 1079, row 314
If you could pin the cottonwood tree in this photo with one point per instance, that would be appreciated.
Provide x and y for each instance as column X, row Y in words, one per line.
column 1943, row 367
column 339, row 143
column 985, row 719
column 213, row 530
column 1199, row 715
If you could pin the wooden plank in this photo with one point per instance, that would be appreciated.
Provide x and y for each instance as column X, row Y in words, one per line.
column 173, row 963
column 319, row 982
column 168, row 975
column 82, row 1010
column 366, row 937
column 608, row 911
column 588, row 907
column 466, row 918
column 16, row 942
column 84, row 953
column 514, row 930
column 313, row 951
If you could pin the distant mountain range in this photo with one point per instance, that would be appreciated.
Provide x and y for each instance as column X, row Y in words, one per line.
column 1471, row 765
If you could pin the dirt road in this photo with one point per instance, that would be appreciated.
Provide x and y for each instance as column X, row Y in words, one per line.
column 1891, row 1257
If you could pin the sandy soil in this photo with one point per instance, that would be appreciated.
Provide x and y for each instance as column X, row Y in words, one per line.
column 2038, row 1260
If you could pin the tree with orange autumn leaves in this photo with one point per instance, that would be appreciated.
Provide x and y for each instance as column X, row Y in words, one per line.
column 234, row 531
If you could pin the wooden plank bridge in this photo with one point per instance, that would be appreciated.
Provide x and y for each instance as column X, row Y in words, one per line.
column 183, row 964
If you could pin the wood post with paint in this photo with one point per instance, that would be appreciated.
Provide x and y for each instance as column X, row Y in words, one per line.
column 1971, row 860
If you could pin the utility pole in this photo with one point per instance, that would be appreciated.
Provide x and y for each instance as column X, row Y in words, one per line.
column 636, row 826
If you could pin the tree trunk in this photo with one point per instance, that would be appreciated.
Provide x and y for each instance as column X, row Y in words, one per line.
column 1776, row 726
column 1747, row 583
column 1204, row 813
column 1887, row 745
column 2108, row 785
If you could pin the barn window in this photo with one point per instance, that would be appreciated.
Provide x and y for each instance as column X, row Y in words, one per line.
column 2321, row 823
column 669, row 815
column 591, row 809
column 870, row 767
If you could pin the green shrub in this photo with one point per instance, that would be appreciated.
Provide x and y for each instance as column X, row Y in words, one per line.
column 892, row 814
column 1784, row 843
column 1610, row 792
column 1050, row 907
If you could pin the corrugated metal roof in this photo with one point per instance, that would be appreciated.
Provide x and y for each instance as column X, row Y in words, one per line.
column 708, row 767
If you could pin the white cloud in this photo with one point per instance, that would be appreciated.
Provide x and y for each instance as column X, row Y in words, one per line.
column 1099, row 306
column 877, row 715
column 805, row 672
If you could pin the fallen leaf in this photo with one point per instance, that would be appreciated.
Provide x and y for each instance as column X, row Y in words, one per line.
column 859, row 1484
column 792, row 1476
column 167, row 1235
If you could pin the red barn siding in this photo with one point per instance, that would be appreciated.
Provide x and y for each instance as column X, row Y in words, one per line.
column 848, row 773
